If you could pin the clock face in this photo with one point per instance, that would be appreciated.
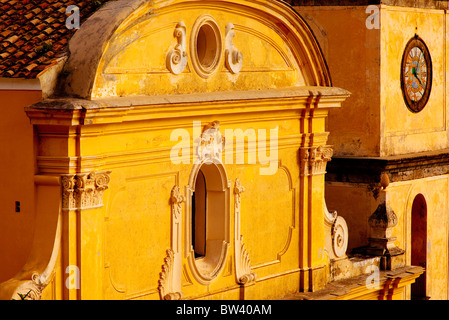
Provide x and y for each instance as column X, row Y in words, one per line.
column 416, row 75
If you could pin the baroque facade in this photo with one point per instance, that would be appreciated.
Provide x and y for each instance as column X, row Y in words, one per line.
column 178, row 150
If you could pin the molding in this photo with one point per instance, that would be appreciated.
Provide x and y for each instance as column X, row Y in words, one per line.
column 369, row 170
column 83, row 191
column 71, row 112
column 424, row 4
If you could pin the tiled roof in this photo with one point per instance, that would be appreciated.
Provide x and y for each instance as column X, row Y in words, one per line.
column 33, row 34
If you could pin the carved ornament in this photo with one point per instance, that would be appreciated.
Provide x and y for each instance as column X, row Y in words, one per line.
column 233, row 57
column 84, row 190
column 211, row 143
column 244, row 273
column 166, row 281
column 314, row 160
column 177, row 58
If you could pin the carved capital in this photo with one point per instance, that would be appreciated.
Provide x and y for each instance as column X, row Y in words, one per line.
column 314, row 160
column 84, row 190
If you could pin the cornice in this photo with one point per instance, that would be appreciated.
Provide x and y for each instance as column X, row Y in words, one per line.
column 68, row 111
column 399, row 168
column 423, row 4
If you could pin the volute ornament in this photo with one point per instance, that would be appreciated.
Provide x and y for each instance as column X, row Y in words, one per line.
column 177, row 57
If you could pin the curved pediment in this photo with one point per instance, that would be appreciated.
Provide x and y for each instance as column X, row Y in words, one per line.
column 182, row 47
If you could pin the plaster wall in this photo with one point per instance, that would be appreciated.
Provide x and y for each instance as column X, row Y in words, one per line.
column 17, row 168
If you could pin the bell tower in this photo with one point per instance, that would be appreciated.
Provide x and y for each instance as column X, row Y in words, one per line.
column 392, row 57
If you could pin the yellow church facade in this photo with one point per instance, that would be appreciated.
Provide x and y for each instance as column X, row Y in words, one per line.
column 180, row 152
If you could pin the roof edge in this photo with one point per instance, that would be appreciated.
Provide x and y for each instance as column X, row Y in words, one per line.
column 87, row 45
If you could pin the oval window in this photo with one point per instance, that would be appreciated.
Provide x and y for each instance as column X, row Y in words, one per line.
column 206, row 46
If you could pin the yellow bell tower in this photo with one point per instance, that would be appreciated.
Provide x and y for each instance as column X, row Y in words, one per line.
column 393, row 59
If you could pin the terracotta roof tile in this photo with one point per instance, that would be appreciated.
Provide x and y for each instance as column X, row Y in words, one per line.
column 33, row 34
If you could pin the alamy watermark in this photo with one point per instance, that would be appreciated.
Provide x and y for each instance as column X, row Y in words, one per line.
column 73, row 20
column 209, row 144
column 373, row 280
column 373, row 20
column 73, row 279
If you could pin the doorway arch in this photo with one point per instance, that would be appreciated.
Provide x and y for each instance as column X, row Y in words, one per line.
column 419, row 245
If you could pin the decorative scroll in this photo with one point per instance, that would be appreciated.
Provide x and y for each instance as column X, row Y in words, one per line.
column 314, row 160
column 339, row 237
column 30, row 290
column 170, row 277
column 166, row 281
column 84, row 190
column 233, row 57
column 244, row 274
column 177, row 58
column 176, row 200
column 244, row 271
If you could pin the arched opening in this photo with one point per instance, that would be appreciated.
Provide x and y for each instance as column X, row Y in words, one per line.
column 199, row 204
column 419, row 245
column 209, row 219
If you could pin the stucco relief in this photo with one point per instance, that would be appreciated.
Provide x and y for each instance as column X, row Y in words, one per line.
column 314, row 160
column 30, row 290
column 170, row 277
column 177, row 57
column 234, row 58
column 167, row 282
column 212, row 142
column 244, row 273
column 84, row 190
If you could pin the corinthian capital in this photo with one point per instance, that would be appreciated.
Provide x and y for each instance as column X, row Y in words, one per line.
column 313, row 160
column 84, row 190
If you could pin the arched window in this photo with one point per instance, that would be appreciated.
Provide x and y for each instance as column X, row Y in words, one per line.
column 209, row 219
column 199, row 204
